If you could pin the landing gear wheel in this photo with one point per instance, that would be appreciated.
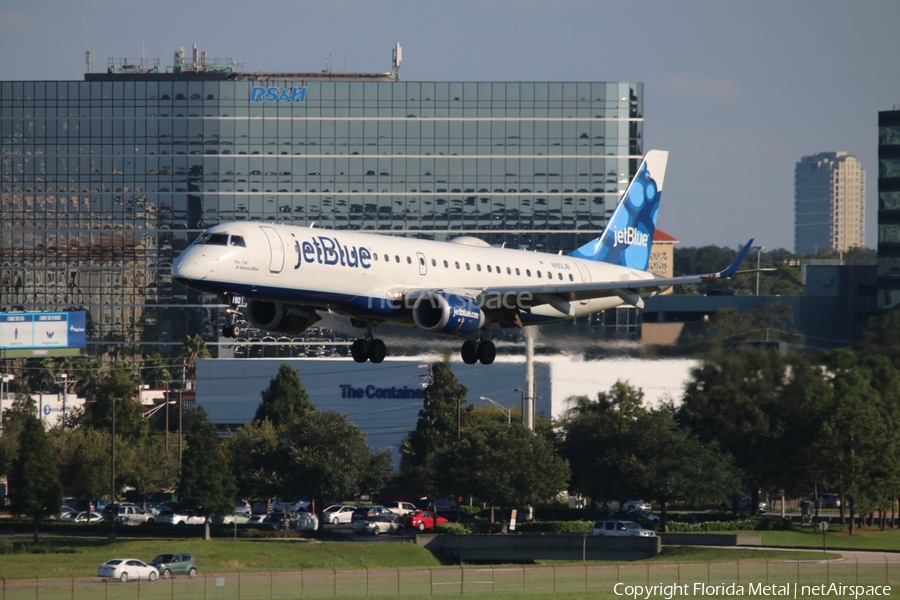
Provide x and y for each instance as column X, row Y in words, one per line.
column 376, row 351
column 359, row 351
column 487, row 352
column 228, row 331
column 469, row 352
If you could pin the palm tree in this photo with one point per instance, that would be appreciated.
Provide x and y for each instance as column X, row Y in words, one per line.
column 194, row 348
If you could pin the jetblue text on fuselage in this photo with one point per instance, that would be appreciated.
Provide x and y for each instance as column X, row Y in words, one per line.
column 326, row 250
column 277, row 94
column 630, row 236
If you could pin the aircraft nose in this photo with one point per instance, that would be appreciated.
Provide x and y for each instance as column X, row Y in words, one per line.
column 185, row 270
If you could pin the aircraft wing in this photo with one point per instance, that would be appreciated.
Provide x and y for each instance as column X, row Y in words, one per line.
column 630, row 290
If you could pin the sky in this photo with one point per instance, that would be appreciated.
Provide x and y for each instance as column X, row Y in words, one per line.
column 737, row 90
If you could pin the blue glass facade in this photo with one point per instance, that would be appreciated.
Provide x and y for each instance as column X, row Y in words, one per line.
column 104, row 181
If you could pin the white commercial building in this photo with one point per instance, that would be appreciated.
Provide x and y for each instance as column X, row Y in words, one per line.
column 384, row 400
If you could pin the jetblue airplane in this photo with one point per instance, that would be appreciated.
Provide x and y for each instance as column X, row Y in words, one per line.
column 457, row 288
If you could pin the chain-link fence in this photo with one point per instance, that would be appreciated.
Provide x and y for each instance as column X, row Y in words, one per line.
column 694, row 579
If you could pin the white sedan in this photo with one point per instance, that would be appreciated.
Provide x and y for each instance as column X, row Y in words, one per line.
column 125, row 569
column 338, row 513
column 171, row 517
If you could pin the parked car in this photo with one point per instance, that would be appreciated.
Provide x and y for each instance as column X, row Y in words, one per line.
column 400, row 508
column 827, row 500
column 171, row 517
column 743, row 504
column 289, row 505
column 378, row 524
column 627, row 505
column 364, row 512
column 126, row 569
column 239, row 517
column 126, row 511
column 85, row 517
column 422, row 520
column 337, row 514
column 175, row 564
column 616, row 527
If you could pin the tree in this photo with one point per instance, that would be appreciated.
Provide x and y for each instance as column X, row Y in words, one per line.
column 207, row 484
column 118, row 387
column 673, row 465
column 326, row 456
column 34, row 484
column 593, row 438
column 14, row 418
column 503, row 464
column 84, row 466
column 194, row 348
column 285, row 400
column 443, row 415
column 255, row 461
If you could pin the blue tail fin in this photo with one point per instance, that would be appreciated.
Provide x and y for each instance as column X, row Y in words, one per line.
column 628, row 236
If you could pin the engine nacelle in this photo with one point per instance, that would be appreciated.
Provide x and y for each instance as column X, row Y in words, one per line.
column 280, row 317
column 447, row 314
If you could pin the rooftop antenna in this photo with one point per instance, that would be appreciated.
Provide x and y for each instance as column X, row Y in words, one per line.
column 397, row 58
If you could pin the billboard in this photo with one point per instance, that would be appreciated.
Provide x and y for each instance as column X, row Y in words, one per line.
column 39, row 331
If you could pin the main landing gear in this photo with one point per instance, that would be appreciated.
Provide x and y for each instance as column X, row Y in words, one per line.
column 482, row 351
column 368, row 349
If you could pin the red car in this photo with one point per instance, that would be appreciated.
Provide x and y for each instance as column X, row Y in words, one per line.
column 422, row 520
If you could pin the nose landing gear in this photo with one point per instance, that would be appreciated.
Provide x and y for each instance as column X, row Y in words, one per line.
column 482, row 351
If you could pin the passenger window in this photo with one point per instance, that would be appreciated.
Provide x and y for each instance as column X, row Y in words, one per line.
column 498, row 269
column 408, row 260
column 375, row 256
column 478, row 267
column 528, row 272
column 560, row 276
column 517, row 271
column 457, row 264
column 446, row 265
column 397, row 257
column 549, row 275
column 433, row 263
column 489, row 268
column 571, row 278
column 387, row 258
column 508, row 271
column 468, row 268
column 609, row 526
column 539, row 274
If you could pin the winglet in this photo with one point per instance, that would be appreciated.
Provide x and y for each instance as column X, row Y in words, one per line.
column 732, row 269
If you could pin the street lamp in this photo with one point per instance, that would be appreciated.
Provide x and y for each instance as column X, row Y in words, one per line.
column 505, row 410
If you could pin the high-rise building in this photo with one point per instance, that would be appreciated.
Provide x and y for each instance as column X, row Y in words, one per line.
column 104, row 181
column 829, row 203
column 889, row 208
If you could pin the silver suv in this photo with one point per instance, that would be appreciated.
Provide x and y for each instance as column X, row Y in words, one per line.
column 614, row 527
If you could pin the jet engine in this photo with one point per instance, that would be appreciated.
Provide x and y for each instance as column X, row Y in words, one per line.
column 447, row 314
column 280, row 317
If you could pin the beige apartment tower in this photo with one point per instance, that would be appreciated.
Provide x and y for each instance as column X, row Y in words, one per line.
column 829, row 203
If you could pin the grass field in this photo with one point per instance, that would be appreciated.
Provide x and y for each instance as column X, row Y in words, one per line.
column 274, row 569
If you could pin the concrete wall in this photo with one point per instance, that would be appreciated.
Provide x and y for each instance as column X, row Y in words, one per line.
column 711, row 539
column 498, row 548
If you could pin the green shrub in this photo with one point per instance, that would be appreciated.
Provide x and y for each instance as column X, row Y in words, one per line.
column 556, row 527
column 452, row 529
column 6, row 547
column 751, row 524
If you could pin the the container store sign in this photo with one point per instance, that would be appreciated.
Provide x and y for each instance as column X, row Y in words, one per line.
column 277, row 94
column 42, row 330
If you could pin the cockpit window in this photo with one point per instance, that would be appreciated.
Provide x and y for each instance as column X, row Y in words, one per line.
column 214, row 239
column 237, row 240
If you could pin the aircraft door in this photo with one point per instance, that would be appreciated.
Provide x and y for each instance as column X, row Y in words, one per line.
column 276, row 249
column 585, row 276
column 423, row 267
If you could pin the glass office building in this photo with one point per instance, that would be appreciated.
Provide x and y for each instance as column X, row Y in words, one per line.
column 104, row 181
column 889, row 209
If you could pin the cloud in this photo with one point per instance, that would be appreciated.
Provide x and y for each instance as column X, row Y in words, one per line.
column 702, row 88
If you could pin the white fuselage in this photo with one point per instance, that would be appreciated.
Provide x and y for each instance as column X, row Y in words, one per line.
column 360, row 275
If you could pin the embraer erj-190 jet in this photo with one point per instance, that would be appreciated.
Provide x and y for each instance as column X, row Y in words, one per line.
column 457, row 288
